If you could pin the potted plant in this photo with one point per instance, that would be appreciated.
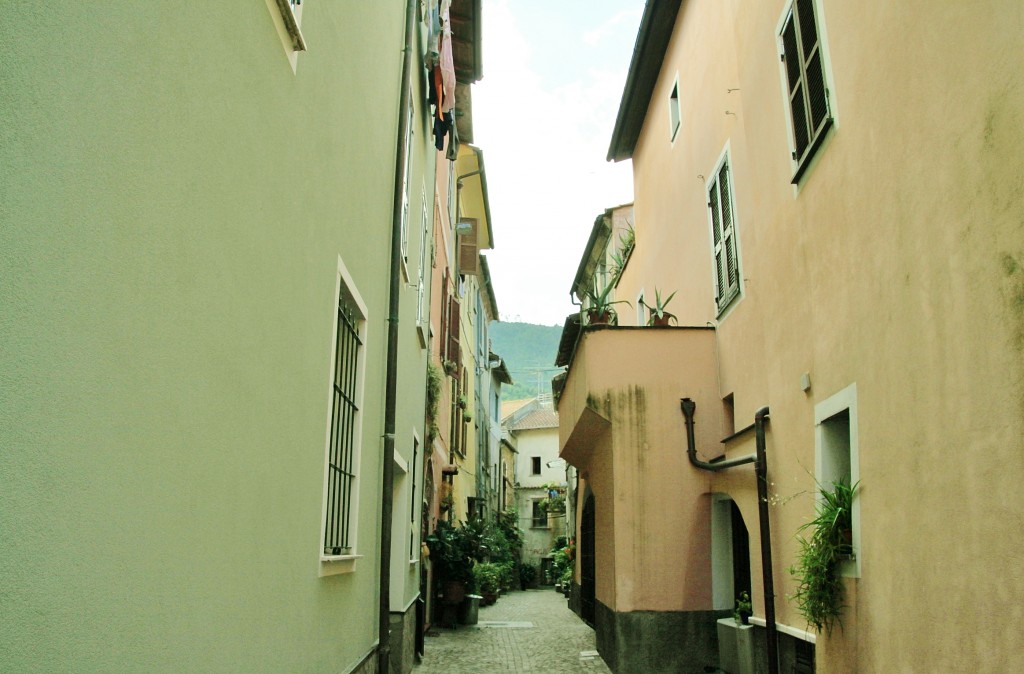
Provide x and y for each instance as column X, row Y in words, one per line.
column 744, row 609
column 451, row 558
column 488, row 581
column 819, row 592
column 658, row 315
column 599, row 306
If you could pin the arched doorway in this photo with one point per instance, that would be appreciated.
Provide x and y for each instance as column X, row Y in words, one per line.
column 587, row 568
column 730, row 553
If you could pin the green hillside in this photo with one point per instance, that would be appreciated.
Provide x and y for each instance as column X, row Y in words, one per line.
column 529, row 353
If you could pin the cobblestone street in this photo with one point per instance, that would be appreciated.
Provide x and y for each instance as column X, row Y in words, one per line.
column 531, row 631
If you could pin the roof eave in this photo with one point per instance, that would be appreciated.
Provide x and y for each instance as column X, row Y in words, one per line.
column 652, row 40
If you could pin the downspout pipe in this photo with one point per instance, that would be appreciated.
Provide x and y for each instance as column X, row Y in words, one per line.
column 759, row 460
column 391, row 376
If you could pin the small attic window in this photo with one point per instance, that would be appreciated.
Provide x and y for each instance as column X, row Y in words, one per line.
column 673, row 112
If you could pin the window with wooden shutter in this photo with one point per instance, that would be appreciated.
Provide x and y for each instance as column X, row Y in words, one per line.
column 723, row 238
column 806, row 85
column 442, row 348
column 453, row 329
column 469, row 255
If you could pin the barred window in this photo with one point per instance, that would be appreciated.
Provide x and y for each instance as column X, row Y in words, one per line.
column 723, row 238
column 806, row 85
column 341, row 487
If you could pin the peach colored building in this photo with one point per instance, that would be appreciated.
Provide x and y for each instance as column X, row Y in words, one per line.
column 834, row 193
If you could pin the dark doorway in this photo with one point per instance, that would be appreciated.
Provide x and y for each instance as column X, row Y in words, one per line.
column 587, row 575
column 740, row 554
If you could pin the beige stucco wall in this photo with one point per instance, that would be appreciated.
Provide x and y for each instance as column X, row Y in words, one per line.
column 897, row 265
column 633, row 457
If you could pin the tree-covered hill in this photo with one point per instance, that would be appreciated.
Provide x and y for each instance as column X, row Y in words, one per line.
column 529, row 353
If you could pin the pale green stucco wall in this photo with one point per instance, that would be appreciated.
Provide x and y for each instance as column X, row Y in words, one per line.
column 173, row 203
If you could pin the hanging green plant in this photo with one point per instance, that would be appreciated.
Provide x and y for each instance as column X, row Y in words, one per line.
column 819, row 592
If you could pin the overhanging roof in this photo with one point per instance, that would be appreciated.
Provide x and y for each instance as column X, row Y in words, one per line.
column 466, row 42
column 648, row 53
column 491, row 302
column 599, row 235
column 474, row 201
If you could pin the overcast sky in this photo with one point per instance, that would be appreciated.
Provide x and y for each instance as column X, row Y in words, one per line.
column 543, row 115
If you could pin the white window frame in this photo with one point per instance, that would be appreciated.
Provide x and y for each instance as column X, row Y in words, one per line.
column 732, row 297
column 422, row 315
column 675, row 116
column 844, row 400
column 345, row 290
column 407, row 193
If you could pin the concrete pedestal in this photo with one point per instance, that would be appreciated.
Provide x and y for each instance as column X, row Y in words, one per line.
column 735, row 647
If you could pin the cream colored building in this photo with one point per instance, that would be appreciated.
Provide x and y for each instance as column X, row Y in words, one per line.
column 198, row 208
column 533, row 429
column 834, row 194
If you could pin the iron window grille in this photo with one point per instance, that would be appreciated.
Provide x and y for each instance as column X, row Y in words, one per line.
column 723, row 231
column 807, row 88
column 341, row 469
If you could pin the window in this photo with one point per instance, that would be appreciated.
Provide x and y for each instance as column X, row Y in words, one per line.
column 806, row 88
column 836, row 456
column 535, row 465
column 451, row 195
column 341, row 479
column 291, row 16
column 723, row 237
column 412, row 498
column 406, row 197
column 673, row 112
column 540, row 515
column 421, row 290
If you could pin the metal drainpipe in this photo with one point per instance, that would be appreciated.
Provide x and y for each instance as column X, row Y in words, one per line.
column 761, row 475
column 391, row 377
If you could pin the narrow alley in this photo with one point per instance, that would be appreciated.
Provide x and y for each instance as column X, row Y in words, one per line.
column 531, row 631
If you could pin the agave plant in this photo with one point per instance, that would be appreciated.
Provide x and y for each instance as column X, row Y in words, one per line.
column 599, row 306
column 658, row 314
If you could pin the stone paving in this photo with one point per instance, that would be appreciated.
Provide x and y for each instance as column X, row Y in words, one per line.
column 531, row 631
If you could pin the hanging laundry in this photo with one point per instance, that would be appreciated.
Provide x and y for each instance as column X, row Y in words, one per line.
column 433, row 33
column 432, row 89
column 447, row 61
column 441, row 128
column 453, row 137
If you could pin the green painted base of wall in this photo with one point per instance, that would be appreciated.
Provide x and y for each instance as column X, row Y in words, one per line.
column 657, row 641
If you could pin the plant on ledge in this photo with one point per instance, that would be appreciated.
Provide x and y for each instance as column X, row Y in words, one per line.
column 658, row 314
column 819, row 592
column 599, row 306
column 744, row 609
column 554, row 501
